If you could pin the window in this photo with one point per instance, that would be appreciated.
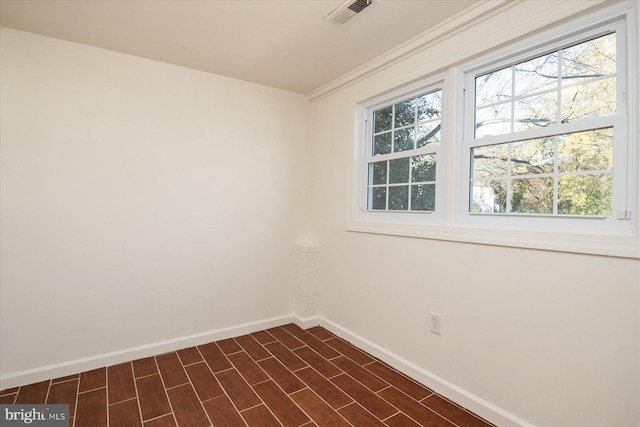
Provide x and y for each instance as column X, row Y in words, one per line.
column 534, row 145
column 403, row 139
column 545, row 137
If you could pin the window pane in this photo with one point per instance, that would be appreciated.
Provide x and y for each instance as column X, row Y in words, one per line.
column 382, row 143
column 403, row 140
column 490, row 162
column 489, row 196
column 537, row 74
column 585, row 194
column 493, row 87
column 377, row 173
column 595, row 99
column 378, row 198
column 382, row 119
column 585, row 151
column 428, row 134
column 429, row 106
column 399, row 198
column 423, row 197
column 594, row 58
column 532, row 195
column 495, row 120
column 535, row 111
column 399, row 170
column 423, row 168
column 405, row 113
column 532, row 157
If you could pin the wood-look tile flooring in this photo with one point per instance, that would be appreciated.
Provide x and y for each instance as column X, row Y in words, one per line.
column 283, row 376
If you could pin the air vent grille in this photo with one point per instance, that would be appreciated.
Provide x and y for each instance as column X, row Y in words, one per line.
column 359, row 5
column 349, row 10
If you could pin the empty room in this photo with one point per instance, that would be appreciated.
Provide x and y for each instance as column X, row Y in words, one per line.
column 319, row 213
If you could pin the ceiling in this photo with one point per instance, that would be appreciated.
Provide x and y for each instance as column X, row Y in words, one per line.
column 285, row 44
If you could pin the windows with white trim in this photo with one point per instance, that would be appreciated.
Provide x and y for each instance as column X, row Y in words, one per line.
column 401, row 155
column 533, row 145
column 545, row 137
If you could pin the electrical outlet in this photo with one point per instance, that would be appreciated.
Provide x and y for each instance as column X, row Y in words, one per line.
column 435, row 323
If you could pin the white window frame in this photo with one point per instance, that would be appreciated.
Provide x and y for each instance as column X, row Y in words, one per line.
column 620, row 222
column 450, row 222
column 365, row 156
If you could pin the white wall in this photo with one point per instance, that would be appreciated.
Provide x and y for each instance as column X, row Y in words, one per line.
column 141, row 202
column 551, row 338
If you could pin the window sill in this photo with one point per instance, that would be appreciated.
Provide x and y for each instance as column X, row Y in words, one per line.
column 615, row 246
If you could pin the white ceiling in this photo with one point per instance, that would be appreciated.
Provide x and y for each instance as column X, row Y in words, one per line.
column 285, row 43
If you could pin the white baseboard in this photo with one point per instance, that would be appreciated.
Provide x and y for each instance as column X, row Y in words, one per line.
column 456, row 394
column 462, row 397
column 307, row 322
column 87, row 363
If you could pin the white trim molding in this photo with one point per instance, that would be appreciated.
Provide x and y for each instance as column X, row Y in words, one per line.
column 478, row 12
column 477, row 405
column 107, row 359
column 623, row 247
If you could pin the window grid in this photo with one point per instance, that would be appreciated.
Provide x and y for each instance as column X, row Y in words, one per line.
column 424, row 125
column 584, row 123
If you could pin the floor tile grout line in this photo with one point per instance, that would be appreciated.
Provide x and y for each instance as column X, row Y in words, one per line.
column 400, row 411
column 288, row 395
column 344, row 406
column 206, row 414
column 48, row 391
column 254, row 406
column 289, row 369
column 146, row 376
column 135, row 385
column 122, row 401
column 296, row 403
column 262, row 382
column 251, row 388
column 321, row 398
column 356, row 402
column 191, row 364
column 440, row 415
column 269, row 378
column 289, row 333
column 222, row 370
column 354, row 399
column 456, row 405
column 392, row 415
column 264, row 330
column 75, row 407
column 106, row 390
column 360, row 382
column 220, row 384
column 398, row 372
column 234, row 352
column 229, row 397
column 155, row 418
column 66, row 381
column 176, row 386
column 411, row 398
column 355, row 348
column 261, row 345
column 164, row 389
column 93, row 389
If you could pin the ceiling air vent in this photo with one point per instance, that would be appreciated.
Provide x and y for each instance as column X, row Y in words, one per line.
column 349, row 10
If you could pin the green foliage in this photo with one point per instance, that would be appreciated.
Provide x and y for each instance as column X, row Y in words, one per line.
column 567, row 174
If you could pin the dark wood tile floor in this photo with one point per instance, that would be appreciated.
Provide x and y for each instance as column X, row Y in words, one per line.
column 284, row 376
